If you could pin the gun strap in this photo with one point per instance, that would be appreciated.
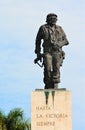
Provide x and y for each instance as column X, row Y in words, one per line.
column 39, row 64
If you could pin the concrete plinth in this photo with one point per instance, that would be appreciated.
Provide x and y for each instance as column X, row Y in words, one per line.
column 51, row 110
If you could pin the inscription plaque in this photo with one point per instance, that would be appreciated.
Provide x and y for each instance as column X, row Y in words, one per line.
column 52, row 111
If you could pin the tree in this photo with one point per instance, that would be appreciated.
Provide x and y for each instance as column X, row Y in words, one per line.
column 15, row 120
column 2, row 121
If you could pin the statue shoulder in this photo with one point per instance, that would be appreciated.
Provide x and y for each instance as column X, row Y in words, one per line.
column 44, row 26
column 42, row 31
column 58, row 27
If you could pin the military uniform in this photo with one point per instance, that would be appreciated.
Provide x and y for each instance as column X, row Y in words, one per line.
column 52, row 39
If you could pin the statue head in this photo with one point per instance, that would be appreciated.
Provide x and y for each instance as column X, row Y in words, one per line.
column 51, row 19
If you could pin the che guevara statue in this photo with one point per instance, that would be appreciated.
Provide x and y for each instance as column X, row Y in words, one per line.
column 51, row 38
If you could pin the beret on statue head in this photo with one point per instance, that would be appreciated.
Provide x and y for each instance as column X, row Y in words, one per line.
column 51, row 15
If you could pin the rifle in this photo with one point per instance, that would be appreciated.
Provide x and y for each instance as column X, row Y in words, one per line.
column 39, row 59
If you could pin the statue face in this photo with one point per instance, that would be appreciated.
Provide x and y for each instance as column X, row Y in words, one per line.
column 51, row 20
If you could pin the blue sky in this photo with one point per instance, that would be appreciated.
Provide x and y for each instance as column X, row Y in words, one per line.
column 19, row 23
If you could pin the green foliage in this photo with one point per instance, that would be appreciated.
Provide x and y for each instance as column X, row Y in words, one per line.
column 15, row 120
column 2, row 120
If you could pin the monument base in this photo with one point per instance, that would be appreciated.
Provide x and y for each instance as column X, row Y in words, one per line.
column 51, row 110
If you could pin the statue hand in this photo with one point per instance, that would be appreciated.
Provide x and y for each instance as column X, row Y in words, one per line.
column 39, row 57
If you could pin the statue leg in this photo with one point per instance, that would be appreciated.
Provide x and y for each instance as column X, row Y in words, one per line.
column 48, row 71
column 56, row 63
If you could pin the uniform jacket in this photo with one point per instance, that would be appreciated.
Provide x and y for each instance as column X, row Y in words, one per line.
column 50, row 36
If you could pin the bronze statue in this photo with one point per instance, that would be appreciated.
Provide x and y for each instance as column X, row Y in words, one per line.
column 54, row 39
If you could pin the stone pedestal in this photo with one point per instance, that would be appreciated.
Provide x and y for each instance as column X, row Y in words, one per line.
column 51, row 110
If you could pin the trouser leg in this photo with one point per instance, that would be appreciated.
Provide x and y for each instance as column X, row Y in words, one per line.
column 56, row 68
column 48, row 71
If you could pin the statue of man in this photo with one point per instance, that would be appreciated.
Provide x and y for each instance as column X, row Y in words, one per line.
column 54, row 39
